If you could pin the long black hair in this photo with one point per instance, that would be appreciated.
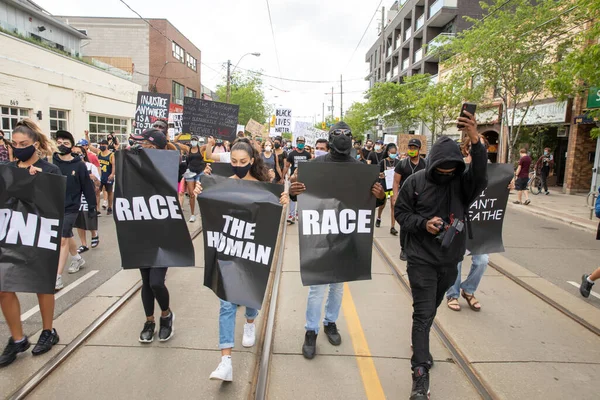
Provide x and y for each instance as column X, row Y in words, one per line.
column 258, row 169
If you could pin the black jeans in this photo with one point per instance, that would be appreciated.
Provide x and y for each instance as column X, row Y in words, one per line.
column 545, row 173
column 403, row 235
column 428, row 284
column 153, row 287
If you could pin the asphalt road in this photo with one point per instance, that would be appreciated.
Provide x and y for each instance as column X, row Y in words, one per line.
column 553, row 250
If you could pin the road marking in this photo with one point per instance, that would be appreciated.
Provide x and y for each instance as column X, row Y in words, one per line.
column 64, row 291
column 366, row 366
column 578, row 285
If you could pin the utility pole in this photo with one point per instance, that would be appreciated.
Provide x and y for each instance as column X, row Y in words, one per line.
column 332, row 117
column 341, row 98
column 381, row 53
column 228, row 80
column 323, row 115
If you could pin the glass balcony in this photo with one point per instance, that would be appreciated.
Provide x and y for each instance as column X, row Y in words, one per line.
column 420, row 22
column 439, row 4
column 405, row 64
column 407, row 33
column 418, row 55
column 434, row 79
column 395, row 71
column 388, row 76
column 439, row 40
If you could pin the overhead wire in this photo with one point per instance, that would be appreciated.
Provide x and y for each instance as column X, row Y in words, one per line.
column 274, row 41
column 364, row 33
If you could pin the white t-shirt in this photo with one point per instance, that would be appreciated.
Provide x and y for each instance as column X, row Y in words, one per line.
column 222, row 157
column 92, row 169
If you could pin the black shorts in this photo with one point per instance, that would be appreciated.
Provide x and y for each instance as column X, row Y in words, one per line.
column 68, row 223
column 107, row 186
column 521, row 184
column 86, row 221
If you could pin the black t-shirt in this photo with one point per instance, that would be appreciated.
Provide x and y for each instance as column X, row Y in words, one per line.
column 296, row 157
column 44, row 165
column 365, row 152
column 281, row 161
column 406, row 168
column 375, row 157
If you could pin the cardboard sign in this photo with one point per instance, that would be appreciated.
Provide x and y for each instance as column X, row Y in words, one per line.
column 210, row 118
column 283, row 120
column 403, row 140
column 255, row 128
column 150, row 107
column 309, row 132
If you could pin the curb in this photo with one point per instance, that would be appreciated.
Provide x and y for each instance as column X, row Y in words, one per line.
column 589, row 227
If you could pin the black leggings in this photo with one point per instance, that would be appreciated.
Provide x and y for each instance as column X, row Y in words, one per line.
column 153, row 287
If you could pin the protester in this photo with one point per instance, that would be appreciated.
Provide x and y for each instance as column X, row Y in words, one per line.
column 6, row 151
column 321, row 147
column 195, row 169
column 408, row 166
column 268, row 157
column 295, row 157
column 522, row 177
column 85, row 219
column 112, row 142
column 28, row 142
column 543, row 166
column 588, row 280
column 107, row 173
column 78, row 184
column 280, row 157
column 367, row 149
column 91, row 155
column 340, row 146
column 375, row 157
column 247, row 164
column 432, row 207
column 153, row 278
column 389, row 163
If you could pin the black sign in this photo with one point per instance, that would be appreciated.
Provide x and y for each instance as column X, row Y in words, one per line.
column 32, row 209
column 85, row 220
column 222, row 169
column 487, row 211
column 149, row 220
column 150, row 107
column 210, row 118
column 240, row 221
column 336, row 216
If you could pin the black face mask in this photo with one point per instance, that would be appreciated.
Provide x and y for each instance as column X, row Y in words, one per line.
column 64, row 150
column 24, row 154
column 277, row 145
column 131, row 143
column 102, row 148
column 241, row 172
column 443, row 179
column 341, row 144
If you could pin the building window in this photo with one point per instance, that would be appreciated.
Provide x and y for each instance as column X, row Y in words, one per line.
column 178, row 93
column 191, row 61
column 58, row 121
column 178, row 52
column 10, row 116
column 190, row 93
column 102, row 125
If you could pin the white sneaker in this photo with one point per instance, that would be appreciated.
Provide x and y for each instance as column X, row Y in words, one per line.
column 59, row 283
column 193, row 218
column 249, row 335
column 224, row 371
column 76, row 265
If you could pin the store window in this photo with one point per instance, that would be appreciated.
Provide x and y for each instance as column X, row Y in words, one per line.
column 10, row 116
column 58, row 121
column 102, row 125
column 191, row 61
column 178, row 52
column 190, row 93
column 178, row 93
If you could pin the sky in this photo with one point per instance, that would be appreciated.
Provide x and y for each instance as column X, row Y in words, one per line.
column 314, row 40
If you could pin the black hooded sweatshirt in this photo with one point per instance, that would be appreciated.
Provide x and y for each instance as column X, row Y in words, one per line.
column 78, row 181
column 421, row 199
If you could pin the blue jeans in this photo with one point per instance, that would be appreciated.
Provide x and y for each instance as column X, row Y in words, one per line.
column 470, row 284
column 315, row 302
column 227, row 323
column 292, row 208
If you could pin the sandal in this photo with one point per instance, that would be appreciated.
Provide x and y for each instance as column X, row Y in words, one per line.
column 82, row 249
column 453, row 304
column 527, row 202
column 95, row 242
column 472, row 301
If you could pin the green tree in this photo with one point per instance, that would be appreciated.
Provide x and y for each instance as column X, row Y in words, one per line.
column 392, row 102
column 359, row 119
column 246, row 91
column 512, row 49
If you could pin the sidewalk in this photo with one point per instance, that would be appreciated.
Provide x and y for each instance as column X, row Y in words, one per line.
column 566, row 208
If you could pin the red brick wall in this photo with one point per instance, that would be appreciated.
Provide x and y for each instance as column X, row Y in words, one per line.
column 161, row 52
column 578, row 174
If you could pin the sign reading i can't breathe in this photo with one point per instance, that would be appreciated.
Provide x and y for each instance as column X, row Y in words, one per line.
column 283, row 120
column 150, row 107
column 210, row 118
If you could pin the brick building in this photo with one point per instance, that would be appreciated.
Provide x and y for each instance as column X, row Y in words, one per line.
column 157, row 63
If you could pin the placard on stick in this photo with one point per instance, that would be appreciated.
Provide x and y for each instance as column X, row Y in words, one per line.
column 150, row 107
column 210, row 118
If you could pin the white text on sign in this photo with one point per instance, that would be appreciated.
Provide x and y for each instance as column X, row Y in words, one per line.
column 14, row 227
column 157, row 207
column 330, row 222
column 244, row 249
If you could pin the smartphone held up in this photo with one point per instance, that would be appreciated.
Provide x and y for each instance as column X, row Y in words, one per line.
column 468, row 107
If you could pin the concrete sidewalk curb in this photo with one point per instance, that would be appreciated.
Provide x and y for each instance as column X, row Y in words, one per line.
column 556, row 216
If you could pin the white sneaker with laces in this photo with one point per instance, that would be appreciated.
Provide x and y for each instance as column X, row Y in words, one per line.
column 224, row 371
column 249, row 335
column 193, row 218
column 59, row 283
column 76, row 265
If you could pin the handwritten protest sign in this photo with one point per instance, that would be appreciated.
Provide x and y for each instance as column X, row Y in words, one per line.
column 310, row 133
column 176, row 119
column 283, row 120
column 150, row 107
column 390, row 139
column 403, row 140
column 210, row 118
column 255, row 128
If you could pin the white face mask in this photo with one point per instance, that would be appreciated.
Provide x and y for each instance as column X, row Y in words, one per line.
column 267, row 148
column 194, row 143
column 377, row 147
column 319, row 153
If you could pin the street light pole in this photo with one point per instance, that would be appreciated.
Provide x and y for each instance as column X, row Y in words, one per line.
column 230, row 72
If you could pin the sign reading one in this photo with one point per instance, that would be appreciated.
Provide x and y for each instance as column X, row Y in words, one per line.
column 210, row 118
column 310, row 133
column 150, row 107
column 283, row 120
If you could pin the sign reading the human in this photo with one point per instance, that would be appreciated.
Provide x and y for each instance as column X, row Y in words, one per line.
column 31, row 217
column 150, row 107
column 283, row 120
column 240, row 235
column 336, row 221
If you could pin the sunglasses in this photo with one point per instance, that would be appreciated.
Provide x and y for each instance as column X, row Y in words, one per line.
column 338, row 132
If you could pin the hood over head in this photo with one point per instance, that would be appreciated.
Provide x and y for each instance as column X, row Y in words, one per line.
column 340, row 145
column 445, row 154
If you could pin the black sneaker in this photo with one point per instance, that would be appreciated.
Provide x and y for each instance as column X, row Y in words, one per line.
column 109, row 211
column 332, row 334
column 586, row 287
column 48, row 338
column 12, row 349
column 309, row 348
column 393, row 231
column 166, row 330
column 147, row 335
column 378, row 222
column 402, row 255
column 420, row 388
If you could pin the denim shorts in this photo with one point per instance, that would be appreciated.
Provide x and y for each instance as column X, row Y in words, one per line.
column 195, row 178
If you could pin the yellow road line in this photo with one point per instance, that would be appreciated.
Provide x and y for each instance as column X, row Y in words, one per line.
column 366, row 366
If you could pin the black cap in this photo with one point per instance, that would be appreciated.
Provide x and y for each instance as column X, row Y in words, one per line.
column 301, row 138
column 104, row 141
column 65, row 135
column 154, row 136
column 414, row 142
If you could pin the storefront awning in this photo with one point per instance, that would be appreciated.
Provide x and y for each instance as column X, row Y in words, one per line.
column 585, row 119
